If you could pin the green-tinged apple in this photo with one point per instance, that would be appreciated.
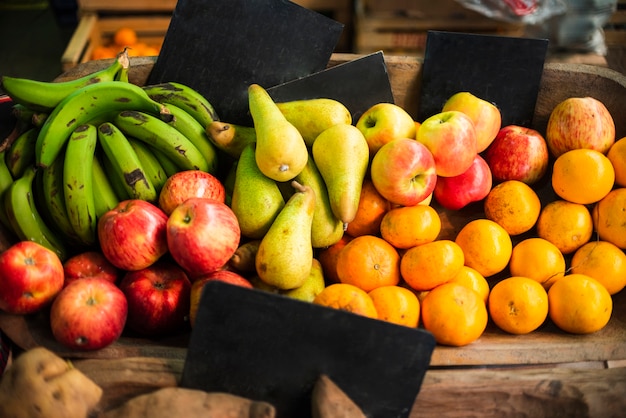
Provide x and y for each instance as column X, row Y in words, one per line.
column 403, row 171
column 580, row 122
column 473, row 185
column 31, row 276
column 451, row 138
column 132, row 235
column 158, row 299
column 518, row 153
column 486, row 116
column 89, row 264
column 189, row 183
column 202, row 235
column 384, row 122
column 198, row 284
column 88, row 314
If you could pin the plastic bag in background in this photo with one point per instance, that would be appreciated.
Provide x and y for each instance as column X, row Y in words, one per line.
column 517, row 11
column 579, row 29
column 569, row 25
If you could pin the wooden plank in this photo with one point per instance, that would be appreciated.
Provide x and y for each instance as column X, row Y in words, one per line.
column 458, row 392
column 126, row 6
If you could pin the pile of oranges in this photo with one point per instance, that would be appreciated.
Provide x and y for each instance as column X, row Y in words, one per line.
column 529, row 257
column 125, row 37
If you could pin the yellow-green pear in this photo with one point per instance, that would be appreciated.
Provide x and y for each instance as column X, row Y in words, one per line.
column 341, row 154
column 229, row 137
column 256, row 199
column 313, row 116
column 326, row 229
column 285, row 254
column 280, row 152
column 312, row 286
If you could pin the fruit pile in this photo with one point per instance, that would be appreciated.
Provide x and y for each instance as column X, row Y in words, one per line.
column 125, row 37
column 146, row 188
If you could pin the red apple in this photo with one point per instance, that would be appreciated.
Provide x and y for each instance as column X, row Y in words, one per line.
column 31, row 276
column 189, row 183
column 202, row 235
column 158, row 298
column 133, row 234
column 451, row 138
column 580, row 122
column 473, row 185
column 518, row 153
column 485, row 115
column 89, row 264
column 88, row 314
column 384, row 122
column 403, row 171
column 227, row 276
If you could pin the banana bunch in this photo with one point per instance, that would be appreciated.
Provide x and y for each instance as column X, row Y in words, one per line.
column 82, row 146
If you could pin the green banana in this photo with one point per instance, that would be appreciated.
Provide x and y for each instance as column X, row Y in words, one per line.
column 21, row 155
column 126, row 163
column 44, row 96
column 6, row 179
column 104, row 195
column 150, row 163
column 167, row 164
column 24, row 217
column 84, row 105
column 187, row 125
column 116, row 179
column 49, row 182
column 77, row 182
column 230, row 138
column 185, row 97
column 158, row 134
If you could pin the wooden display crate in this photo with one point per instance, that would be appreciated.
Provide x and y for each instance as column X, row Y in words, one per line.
column 400, row 27
column 615, row 29
column 543, row 374
column 99, row 19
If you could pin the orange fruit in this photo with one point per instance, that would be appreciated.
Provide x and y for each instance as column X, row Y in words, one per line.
column 602, row 261
column 125, row 37
column 609, row 217
column 565, row 224
column 513, row 205
column 369, row 214
column 454, row 314
column 368, row 262
column 408, row 226
column 518, row 305
column 428, row 265
column 103, row 52
column 579, row 304
column 486, row 246
column 469, row 277
column 328, row 258
column 537, row 259
column 397, row 305
column 617, row 157
column 582, row 176
column 347, row 297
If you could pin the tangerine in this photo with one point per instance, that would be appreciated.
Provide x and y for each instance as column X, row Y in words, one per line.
column 486, row 246
column 409, row 226
column 426, row 266
column 328, row 258
column 518, row 305
column 454, row 314
column 347, row 297
column 602, row 261
column 372, row 207
column 609, row 217
column 368, row 262
column 579, row 304
column 125, row 36
column 396, row 304
column 617, row 156
column 582, row 176
column 537, row 259
column 567, row 225
column 514, row 205
column 469, row 277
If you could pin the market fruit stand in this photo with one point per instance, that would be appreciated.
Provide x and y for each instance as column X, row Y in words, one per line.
column 545, row 373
